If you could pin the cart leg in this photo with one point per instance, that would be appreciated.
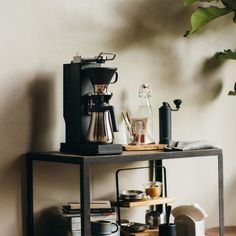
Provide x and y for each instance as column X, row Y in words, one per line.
column 29, row 204
column 85, row 199
column 221, row 194
column 158, row 177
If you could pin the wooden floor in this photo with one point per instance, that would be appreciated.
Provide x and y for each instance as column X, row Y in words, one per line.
column 229, row 231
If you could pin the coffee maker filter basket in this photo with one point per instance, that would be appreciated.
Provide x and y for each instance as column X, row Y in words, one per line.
column 101, row 75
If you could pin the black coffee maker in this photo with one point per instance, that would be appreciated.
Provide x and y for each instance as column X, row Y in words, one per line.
column 89, row 118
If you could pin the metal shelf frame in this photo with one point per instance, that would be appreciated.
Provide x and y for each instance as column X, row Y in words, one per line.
column 85, row 162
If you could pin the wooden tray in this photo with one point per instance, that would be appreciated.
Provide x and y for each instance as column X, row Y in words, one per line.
column 143, row 147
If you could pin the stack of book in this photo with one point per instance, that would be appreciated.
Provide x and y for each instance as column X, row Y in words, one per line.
column 67, row 218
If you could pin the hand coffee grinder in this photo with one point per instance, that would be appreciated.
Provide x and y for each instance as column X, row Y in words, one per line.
column 89, row 118
column 165, row 111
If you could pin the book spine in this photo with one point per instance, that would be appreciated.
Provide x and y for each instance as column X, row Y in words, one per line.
column 93, row 204
column 72, row 215
column 67, row 210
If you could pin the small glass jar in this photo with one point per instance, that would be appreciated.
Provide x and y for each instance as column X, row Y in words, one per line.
column 153, row 189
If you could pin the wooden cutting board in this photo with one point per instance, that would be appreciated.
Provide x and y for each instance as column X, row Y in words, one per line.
column 144, row 147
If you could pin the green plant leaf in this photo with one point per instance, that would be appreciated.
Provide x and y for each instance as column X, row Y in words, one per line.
column 227, row 54
column 203, row 16
column 230, row 4
column 234, row 19
column 232, row 93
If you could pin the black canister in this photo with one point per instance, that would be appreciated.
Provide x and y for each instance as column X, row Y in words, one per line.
column 167, row 230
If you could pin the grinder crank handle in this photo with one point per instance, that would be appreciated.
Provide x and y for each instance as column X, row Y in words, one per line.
column 113, row 119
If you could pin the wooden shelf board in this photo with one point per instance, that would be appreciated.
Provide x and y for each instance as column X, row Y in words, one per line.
column 147, row 202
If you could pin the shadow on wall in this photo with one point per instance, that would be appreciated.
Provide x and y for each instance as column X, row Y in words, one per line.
column 44, row 224
column 207, row 78
column 144, row 20
column 15, row 140
column 42, row 93
column 151, row 24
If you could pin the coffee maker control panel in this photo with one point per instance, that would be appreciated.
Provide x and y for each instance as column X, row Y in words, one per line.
column 100, row 58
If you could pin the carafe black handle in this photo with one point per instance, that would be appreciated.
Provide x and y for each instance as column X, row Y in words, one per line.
column 116, row 78
column 113, row 118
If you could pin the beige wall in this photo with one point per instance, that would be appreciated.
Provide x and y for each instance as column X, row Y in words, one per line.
column 37, row 37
